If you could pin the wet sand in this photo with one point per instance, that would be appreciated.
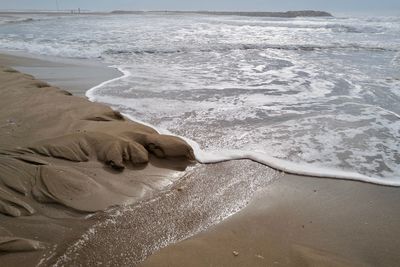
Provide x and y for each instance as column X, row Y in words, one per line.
column 48, row 136
column 74, row 75
column 299, row 221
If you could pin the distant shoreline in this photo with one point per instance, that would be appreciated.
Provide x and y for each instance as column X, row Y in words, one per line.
column 287, row 14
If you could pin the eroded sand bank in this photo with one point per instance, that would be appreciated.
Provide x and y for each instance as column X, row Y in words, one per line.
column 62, row 156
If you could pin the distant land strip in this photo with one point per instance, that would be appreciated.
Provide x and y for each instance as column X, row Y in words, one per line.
column 287, row 14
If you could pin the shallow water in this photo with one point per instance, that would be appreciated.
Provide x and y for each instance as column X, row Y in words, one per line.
column 322, row 91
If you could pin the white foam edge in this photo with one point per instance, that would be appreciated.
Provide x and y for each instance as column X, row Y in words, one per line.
column 90, row 93
column 210, row 157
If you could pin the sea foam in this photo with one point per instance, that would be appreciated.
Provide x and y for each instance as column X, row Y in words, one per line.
column 209, row 157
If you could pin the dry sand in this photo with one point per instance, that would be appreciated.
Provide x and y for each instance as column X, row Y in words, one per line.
column 62, row 157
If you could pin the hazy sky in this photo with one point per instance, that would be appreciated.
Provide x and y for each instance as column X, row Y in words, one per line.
column 372, row 6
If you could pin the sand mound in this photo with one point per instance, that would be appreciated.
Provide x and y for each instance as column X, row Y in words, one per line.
column 81, row 147
column 60, row 126
column 79, row 156
column 112, row 150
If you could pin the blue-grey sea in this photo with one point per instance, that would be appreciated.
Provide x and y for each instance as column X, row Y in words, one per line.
column 322, row 91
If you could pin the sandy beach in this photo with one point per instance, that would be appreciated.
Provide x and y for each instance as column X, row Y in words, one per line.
column 59, row 154
column 67, row 164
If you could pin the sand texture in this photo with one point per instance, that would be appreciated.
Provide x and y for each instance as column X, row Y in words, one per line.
column 300, row 221
column 61, row 155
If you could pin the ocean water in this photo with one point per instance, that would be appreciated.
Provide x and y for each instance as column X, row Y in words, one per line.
column 320, row 93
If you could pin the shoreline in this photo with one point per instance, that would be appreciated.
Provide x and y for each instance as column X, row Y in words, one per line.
column 193, row 206
column 206, row 157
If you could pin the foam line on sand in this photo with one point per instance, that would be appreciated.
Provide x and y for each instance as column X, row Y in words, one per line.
column 209, row 157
